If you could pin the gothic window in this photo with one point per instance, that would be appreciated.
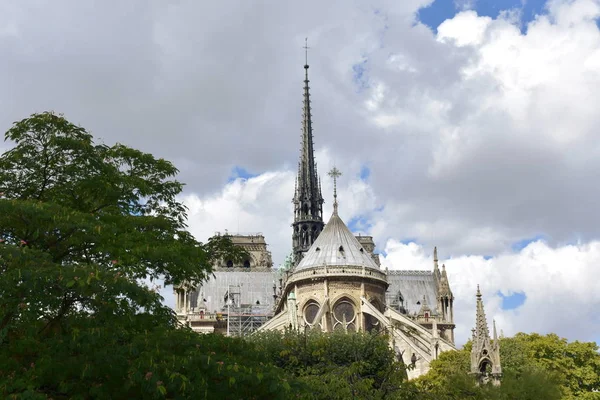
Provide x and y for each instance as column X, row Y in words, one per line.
column 247, row 264
column 344, row 315
column 310, row 312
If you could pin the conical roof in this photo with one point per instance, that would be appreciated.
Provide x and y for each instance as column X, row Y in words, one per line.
column 336, row 246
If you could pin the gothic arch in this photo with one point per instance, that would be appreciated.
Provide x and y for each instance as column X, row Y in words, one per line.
column 309, row 313
column 345, row 314
column 485, row 366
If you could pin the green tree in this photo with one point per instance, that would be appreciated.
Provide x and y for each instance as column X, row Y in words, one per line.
column 534, row 367
column 84, row 228
column 338, row 365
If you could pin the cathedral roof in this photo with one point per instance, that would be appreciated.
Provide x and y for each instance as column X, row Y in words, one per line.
column 336, row 246
column 413, row 285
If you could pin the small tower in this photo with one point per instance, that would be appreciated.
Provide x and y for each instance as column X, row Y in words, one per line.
column 308, row 201
column 445, row 299
column 485, row 354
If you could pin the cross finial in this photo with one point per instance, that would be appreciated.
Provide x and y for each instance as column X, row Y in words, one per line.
column 335, row 173
column 306, row 52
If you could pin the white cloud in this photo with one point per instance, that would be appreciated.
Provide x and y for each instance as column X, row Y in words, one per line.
column 466, row 28
column 476, row 137
column 560, row 284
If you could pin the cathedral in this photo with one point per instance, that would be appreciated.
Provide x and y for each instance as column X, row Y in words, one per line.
column 332, row 280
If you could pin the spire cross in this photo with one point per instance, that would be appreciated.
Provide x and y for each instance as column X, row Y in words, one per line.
column 306, row 51
column 335, row 173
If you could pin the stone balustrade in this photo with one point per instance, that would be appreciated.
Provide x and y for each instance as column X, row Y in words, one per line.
column 337, row 271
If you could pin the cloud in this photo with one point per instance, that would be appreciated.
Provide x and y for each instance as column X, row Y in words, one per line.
column 560, row 284
column 476, row 136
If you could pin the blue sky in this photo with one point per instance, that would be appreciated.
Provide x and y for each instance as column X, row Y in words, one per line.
column 440, row 10
column 240, row 172
column 512, row 301
column 521, row 244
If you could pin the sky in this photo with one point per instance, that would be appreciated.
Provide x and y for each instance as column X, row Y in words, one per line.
column 469, row 125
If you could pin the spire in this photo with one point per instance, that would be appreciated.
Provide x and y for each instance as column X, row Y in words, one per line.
column 436, row 269
column 444, row 288
column 495, row 332
column 308, row 201
column 308, row 166
column 480, row 320
column 306, row 53
column 335, row 173
column 485, row 355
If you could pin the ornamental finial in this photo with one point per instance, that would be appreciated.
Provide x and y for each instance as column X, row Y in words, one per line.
column 306, row 52
column 335, row 173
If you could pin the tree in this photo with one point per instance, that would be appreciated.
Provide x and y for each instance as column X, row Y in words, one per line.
column 534, row 367
column 83, row 228
column 337, row 365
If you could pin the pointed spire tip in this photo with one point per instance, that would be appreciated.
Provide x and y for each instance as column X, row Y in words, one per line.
column 335, row 173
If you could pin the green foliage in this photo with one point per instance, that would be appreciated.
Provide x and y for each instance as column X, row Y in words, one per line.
column 534, row 367
column 337, row 365
column 84, row 228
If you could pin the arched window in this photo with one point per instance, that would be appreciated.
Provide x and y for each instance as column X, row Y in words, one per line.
column 310, row 312
column 247, row 264
column 229, row 263
column 485, row 367
column 344, row 315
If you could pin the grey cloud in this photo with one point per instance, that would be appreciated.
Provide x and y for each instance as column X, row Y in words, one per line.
column 214, row 85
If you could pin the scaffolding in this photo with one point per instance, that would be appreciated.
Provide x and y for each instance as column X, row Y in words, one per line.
column 243, row 319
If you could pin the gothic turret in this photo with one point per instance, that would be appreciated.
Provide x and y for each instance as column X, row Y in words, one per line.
column 485, row 354
column 445, row 299
column 308, row 201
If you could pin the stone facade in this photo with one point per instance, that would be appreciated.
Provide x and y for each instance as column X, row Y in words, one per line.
column 339, row 286
column 246, row 292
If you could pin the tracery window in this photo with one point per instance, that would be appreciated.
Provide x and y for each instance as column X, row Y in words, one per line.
column 310, row 312
column 344, row 316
